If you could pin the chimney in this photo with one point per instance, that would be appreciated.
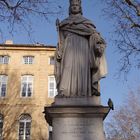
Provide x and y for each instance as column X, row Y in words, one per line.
column 9, row 42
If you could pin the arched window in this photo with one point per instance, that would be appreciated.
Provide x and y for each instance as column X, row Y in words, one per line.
column 1, row 126
column 24, row 127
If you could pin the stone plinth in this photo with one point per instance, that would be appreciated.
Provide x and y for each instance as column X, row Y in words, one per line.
column 84, row 101
column 78, row 122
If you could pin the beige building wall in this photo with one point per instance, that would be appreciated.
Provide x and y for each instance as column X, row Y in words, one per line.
column 13, row 105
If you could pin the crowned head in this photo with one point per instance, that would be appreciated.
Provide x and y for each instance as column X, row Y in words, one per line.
column 75, row 7
column 73, row 2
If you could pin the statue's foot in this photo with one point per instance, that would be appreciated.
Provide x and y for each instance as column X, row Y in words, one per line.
column 60, row 96
column 96, row 93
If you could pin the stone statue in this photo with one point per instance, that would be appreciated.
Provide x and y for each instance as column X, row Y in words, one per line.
column 80, row 61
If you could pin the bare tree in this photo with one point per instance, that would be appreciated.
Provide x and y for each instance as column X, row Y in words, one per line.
column 124, row 124
column 126, row 17
column 20, row 12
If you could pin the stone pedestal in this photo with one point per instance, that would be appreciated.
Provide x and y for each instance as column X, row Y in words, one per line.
column 76, row 120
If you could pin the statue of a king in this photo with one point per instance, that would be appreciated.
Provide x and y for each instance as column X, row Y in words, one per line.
column 80, row 59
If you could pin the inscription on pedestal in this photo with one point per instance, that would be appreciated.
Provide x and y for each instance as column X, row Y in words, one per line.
column 77, row 129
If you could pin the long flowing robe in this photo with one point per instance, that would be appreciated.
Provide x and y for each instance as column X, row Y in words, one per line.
column 78, row 64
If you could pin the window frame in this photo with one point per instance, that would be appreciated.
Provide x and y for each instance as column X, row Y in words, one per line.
column 1, row 121
column 28, row 57
column 50, row 57
column 27, row 88
column 3, row 59
column 54, row 87
column 24, row 118
column 5, row 82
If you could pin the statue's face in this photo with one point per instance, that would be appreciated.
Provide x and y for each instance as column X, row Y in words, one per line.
column 75, row 9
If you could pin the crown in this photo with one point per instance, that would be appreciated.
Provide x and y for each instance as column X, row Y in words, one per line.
column 73, row 2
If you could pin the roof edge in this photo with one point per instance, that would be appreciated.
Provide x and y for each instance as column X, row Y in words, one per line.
column 28, row 45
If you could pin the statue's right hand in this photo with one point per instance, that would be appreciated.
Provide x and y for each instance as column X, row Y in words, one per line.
column 99, row 49
column 71, row 23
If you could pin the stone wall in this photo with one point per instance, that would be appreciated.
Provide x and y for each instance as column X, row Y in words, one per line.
column 13, row 105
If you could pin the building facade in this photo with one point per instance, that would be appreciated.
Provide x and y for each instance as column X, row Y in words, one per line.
column 27, row 84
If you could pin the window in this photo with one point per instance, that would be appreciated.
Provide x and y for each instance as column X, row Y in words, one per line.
column 52, row 91
column 1, row 126
column 24, row 127
column 28, row 59
column 4, row 59
column 3, row 85
column 50, row 132
column 51, row 60
column 26, row 85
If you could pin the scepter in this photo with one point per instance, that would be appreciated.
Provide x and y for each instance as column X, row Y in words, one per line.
column 57, row 27
column 58, row 44
column 57, row 24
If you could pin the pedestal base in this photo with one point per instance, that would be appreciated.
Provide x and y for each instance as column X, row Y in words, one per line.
column 76, row 122
column 78, row 101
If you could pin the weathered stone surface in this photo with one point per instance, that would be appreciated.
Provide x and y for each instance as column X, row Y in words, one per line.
column 77, row 122
column 80, row 60
column 78, row 129
column 77, row 113
column 94, row 100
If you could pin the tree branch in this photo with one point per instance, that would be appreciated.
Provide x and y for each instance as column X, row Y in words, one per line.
column 137, row 7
